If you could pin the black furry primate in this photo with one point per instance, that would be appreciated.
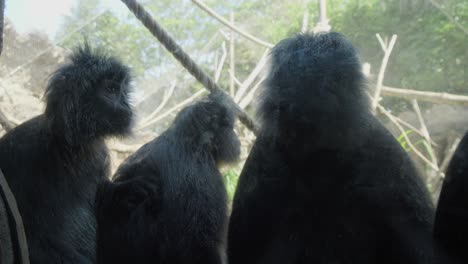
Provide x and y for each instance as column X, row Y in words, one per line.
column 54, row 161
column 451, row 221
column 325, row 182
column 167, row 202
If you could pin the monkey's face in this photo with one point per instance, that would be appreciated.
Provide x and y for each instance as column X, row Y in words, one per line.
column 89, row 97
column 112, row 93
column 210, row 124
column 226, row 143
column 219, row 121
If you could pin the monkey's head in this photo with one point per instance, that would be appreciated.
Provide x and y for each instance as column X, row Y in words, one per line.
column 88, row 98
column 209, row 124
column 315, row 86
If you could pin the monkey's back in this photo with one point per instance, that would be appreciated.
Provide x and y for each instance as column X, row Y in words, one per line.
column 189, row 219
column 363, row 204
column 193, row 216
column 54, row 190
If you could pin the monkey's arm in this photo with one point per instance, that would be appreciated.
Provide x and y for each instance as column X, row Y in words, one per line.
column 258, row 202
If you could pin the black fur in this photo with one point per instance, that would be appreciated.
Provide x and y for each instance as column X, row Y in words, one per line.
column 167, row 202
column 54, row 161
column 325, row 182
column 451, row 222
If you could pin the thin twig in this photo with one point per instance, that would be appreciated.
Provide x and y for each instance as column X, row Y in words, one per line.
column 210, row 43
column 249, row 97
column 425, row 132
column 388, row 51
column 232, row 65
column 20, row 67
column 413, row 128
column 173, row 109
column 167, row 95
column 424, row 129
column 402, row 131
column 216, row 59
column 433, row 97
column 2, row 23
column 221, row 63
column 449, row 151
column 305, row 20
column 239, row 83
column 383, row 45
column 322, row 23
column 212, row 13
column 251, row 78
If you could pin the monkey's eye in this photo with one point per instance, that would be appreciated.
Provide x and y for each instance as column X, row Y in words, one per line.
column 111, row 86
column 113, row 89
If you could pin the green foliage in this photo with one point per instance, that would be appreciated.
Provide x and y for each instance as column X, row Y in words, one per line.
column 402, row 140
column 104, row 29
column 430, row 53
column 404, row 143
column 230, row 180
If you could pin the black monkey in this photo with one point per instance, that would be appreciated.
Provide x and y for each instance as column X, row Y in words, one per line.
column 325, row 182
column 451, row 221
column 53, row 162
column 167, row 202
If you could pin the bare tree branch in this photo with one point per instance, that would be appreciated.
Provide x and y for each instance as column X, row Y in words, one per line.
column 388, row 50
column 408, row 125
column 212, row 13
column 2, row 23
column 249, row 97
column 402, row 131
column 221, row 63
column 449, row 151
column 427, row 137
column 305, row 20
column 433, row 97
column 232, row 63
column 173, row 109
column 250, row 79
column 167, row 95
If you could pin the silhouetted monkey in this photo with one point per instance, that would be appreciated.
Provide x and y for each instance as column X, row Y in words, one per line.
column 325, row 182
column 54, row 161
column 167, row 202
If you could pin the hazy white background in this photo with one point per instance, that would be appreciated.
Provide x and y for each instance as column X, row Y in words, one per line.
column 46, row 15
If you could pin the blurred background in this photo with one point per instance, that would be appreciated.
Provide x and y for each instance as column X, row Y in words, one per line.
column 415, row 54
